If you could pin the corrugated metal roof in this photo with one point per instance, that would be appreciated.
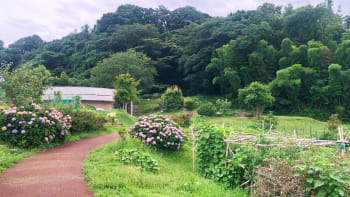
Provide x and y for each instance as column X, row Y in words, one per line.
column 85, row 93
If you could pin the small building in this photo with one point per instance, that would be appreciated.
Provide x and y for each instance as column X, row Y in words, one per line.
column 101, row 98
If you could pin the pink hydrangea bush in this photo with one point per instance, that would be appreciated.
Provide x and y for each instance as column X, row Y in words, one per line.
column 158, row 131
column 32, row 126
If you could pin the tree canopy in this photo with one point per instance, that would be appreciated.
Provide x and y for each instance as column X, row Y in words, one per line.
column 306, row 49
column 132, row 62
column 25, row 84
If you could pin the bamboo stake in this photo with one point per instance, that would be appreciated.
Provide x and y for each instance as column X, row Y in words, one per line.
column 343, row 151
column 193, row 148
column 263, row 126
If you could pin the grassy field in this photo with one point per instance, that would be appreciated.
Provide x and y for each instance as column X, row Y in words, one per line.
column 123, row 118
column 304, row 126
column 108, row 177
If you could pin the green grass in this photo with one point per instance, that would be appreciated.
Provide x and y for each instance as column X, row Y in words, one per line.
column 123, row 118
column 108, row 177
column 206, row 98
column 4, row 106
column 10, row 156
column 286, row 124
column 147, row 108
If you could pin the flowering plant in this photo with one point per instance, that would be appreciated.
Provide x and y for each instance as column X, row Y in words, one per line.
column 158, row 131
column 31, row 126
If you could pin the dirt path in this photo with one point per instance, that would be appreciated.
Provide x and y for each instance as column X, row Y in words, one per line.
column 55, row 172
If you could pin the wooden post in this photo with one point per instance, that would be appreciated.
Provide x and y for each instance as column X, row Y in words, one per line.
column 341, row 139
column 193, row 148
column 295, row 134
column 263, row 126
column 227, row 147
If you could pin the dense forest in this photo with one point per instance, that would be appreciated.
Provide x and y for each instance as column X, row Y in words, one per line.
column 303, row 54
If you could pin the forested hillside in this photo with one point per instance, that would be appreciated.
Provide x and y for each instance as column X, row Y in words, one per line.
column 302, row 53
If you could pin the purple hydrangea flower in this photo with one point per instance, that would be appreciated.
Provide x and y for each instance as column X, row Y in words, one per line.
column 23, row 131
column 14, row 131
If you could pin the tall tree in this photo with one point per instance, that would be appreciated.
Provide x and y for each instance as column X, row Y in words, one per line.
column 25, row 84
column 126, row 87
column 257, row 96
column 137, row 64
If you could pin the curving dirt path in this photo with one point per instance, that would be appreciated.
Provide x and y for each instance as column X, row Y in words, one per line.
column 54, row 172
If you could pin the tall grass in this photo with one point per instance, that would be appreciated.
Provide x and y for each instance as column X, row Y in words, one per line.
column 108, row 177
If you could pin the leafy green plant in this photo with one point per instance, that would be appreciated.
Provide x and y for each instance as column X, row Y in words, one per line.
column 90, row 107
column 141, row 159
column 172, row 99
column 270, row 118
column 83, row 120
column 25, row 84
column 223, row 106
column 231, row 170
column 191, row 103
column 207, row 109
column 126, row 87
column 257, row 96
column 326, row 175
column 256, row 126
column 86, row 120
column 183, row 119
column 332, row 124
column 158, row 131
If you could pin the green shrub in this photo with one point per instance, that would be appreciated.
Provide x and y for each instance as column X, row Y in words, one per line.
column 223, row 106
column 135, row 157
column 182, row 119
column 191, row 103
column 256, row 125
column 90, row 107
column 31, row 126
column 333, row 123
column 332, row 133
column 212, row 157
column 270, row 118
column 172, row 99
column 208, row 109
column 85, row 120
column 326, row 174
column 159, row 132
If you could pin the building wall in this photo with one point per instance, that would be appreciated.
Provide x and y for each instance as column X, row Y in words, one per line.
column 106, row 105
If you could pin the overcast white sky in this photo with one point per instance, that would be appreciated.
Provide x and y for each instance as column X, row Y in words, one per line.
column 52, row 19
